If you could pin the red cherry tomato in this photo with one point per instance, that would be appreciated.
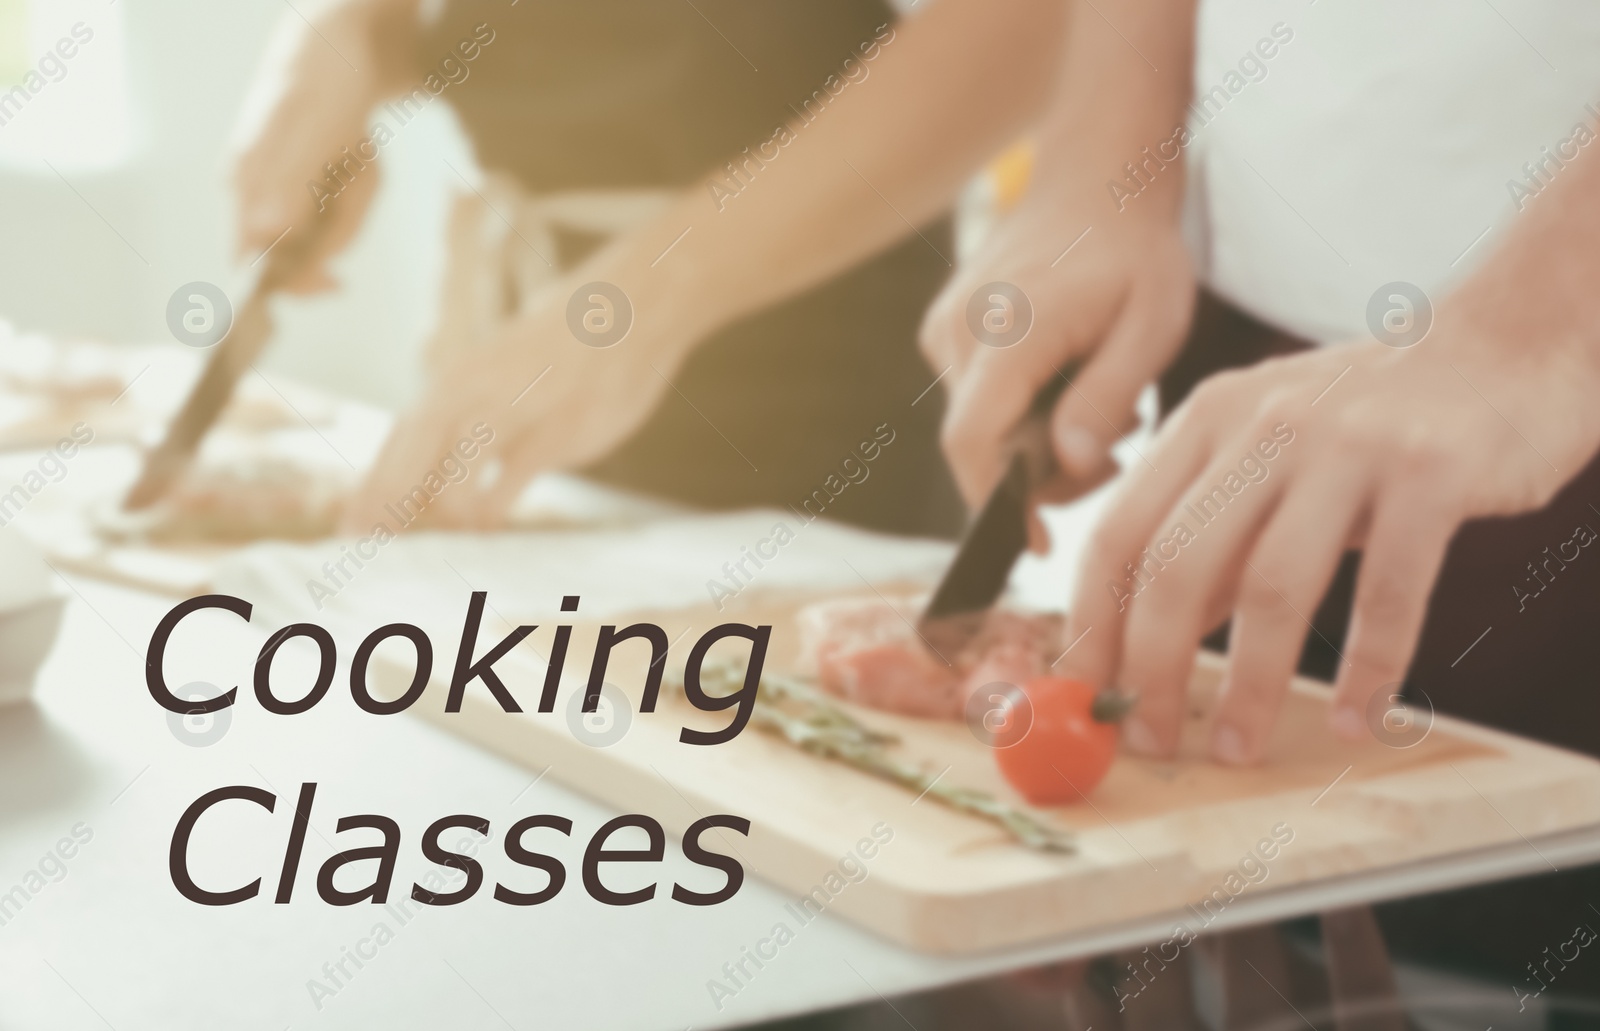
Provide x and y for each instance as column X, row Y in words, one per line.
column 1066, row 751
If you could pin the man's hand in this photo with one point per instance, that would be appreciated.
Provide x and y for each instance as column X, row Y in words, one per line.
column 1263, row 478
column 310, row 101
column 1104, row 270
column 1114, row 287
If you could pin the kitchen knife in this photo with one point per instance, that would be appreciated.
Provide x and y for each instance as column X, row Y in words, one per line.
column 998, row 534
column 244, row 342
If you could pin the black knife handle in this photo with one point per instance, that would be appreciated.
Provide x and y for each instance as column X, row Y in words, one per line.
column 1044, row 402
column 1031, row 438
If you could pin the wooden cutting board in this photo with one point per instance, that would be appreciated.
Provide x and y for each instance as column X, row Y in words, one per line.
column 1182, row 837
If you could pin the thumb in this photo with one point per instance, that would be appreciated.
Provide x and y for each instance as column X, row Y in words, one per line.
column 341, row 217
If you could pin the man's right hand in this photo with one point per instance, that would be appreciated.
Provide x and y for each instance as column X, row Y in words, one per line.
column 311, row 99
column 1106, row 283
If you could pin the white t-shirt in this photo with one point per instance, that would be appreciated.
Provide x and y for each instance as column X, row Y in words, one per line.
column 1382, row 140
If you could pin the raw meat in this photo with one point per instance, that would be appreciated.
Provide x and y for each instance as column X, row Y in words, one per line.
column 867, row 651
column 249, row 498
column 268, row 497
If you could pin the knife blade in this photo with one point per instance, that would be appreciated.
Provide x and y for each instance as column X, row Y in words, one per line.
column 998, row 534
column 243, row 344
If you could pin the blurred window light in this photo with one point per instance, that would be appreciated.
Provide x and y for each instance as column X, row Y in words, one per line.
column 63, row 85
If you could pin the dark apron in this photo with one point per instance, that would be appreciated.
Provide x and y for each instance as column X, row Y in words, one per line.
column 657, row 93
column 1535, row 674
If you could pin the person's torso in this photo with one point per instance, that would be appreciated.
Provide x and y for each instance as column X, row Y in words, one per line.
column 629, row 93
column 1379, row 141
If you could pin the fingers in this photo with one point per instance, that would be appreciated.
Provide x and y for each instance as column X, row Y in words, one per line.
column 943, row 345
column 1103, row 591
column 484, row 497
column 387, row 495
column 304, row 162
column 259, row 221
column 1143, row 340
column 269, row 198
column 269, row 229
column 1281, row 583
column 461, row 459
column 336, row 226
column 1182, row 574
column 261, row 211
column 985, row 406
column 497, row 499
column 1405, row 548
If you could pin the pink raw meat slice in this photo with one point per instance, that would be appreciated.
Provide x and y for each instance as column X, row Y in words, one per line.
column 867, row 651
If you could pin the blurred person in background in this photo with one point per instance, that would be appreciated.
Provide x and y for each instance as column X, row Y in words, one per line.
column 795, row 142
column 752, row 369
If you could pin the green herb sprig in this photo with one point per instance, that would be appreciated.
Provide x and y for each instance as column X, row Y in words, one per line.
column 795, row 710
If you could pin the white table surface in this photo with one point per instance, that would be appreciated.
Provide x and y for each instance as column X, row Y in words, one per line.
column 113, row 944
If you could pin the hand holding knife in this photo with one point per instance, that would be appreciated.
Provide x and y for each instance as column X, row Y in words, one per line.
column 243, row 344
column 998, row 533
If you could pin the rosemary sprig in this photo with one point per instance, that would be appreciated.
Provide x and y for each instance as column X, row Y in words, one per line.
column 798, row 712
